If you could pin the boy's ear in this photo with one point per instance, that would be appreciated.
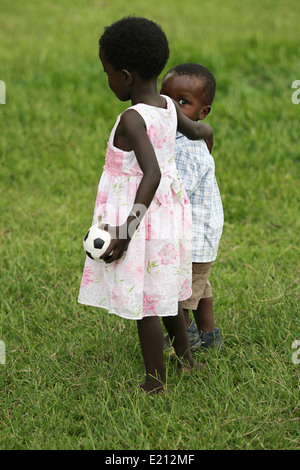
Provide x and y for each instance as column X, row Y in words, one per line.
column 128, row 77
column 204, row 112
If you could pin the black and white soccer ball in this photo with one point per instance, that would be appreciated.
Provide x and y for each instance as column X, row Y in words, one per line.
column 96, row 242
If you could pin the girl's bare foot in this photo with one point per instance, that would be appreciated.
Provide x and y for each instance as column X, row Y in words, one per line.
column 153, row 388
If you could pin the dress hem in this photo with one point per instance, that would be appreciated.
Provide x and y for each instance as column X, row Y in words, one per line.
column 90, row 304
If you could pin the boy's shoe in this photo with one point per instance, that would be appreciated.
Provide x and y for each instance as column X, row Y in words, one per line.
column 193, row 337
column 213, row 339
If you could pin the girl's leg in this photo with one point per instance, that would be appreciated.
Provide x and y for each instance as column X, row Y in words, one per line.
column 187, row 317
column 151, row 340
column 176, row 327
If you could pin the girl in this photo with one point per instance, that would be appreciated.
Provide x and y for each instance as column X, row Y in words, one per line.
column 146, row 269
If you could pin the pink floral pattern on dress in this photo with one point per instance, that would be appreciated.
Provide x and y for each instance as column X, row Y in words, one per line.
column 154, row 135
column 168, row 254
column 186, row 289
column 164, row 199
column 86, row 276
column 135, row 271
column 118, row 293
column 149, row 232
column 101, row 198
column 113, row 161
column 149, row 305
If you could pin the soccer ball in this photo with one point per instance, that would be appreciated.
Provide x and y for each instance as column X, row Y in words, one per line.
column 96, row 242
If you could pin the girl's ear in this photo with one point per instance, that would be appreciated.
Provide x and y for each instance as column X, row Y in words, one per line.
column 127, row 76
column 204, row 112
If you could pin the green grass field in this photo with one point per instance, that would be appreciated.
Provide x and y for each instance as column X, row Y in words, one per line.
column 67, row 368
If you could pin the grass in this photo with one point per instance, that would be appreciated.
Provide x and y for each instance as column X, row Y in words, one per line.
column 68, row 367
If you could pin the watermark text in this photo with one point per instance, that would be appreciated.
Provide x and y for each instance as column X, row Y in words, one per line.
column 2, row 352
column 296, row 354
column 2, row 92
column 296, row 95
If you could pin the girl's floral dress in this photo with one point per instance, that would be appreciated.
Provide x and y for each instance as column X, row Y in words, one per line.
column 155, row 271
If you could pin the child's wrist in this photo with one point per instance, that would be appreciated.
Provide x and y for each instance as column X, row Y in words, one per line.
column 136, row 215
column 133, row 221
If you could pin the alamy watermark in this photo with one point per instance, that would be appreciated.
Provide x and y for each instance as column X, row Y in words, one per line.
column 296, row 95
column 295, row 358
column 2, row 352
column 2, row 92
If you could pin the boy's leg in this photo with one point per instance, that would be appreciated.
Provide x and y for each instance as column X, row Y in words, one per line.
column 203, row 334
column 204, row 316
column 151, row 340
column 176, row 329
column 210, row 336
column 201, row 288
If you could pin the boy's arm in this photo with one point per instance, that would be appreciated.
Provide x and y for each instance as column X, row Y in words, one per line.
column 194, row 130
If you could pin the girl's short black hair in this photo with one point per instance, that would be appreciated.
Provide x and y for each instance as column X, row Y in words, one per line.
column 202, row 73
column 137, row 45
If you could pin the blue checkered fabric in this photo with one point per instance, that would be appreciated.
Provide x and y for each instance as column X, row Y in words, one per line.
column 196, row 167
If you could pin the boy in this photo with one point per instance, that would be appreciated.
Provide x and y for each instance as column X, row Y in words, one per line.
column 193, row 87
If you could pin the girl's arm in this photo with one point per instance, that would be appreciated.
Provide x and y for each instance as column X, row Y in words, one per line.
column 133, row 129
column 194, row 130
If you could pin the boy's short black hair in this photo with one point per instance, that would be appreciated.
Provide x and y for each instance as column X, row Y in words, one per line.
column 201, row 72
column 136, row 44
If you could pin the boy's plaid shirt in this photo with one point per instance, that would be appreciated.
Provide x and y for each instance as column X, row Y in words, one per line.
column 196, row 167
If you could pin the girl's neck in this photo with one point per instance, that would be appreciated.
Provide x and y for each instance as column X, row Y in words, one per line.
column 145, row 91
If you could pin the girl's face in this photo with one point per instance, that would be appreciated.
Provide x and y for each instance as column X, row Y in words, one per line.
column 117, row 79
column 187, row 91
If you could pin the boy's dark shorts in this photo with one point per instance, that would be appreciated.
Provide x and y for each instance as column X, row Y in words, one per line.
column 200, row 285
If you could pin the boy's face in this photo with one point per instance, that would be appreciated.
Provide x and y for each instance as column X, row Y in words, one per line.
column 187, row 91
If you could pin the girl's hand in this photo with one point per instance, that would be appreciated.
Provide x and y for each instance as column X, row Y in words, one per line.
column 193, row 130
column 119, row 242
column 209, row 143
